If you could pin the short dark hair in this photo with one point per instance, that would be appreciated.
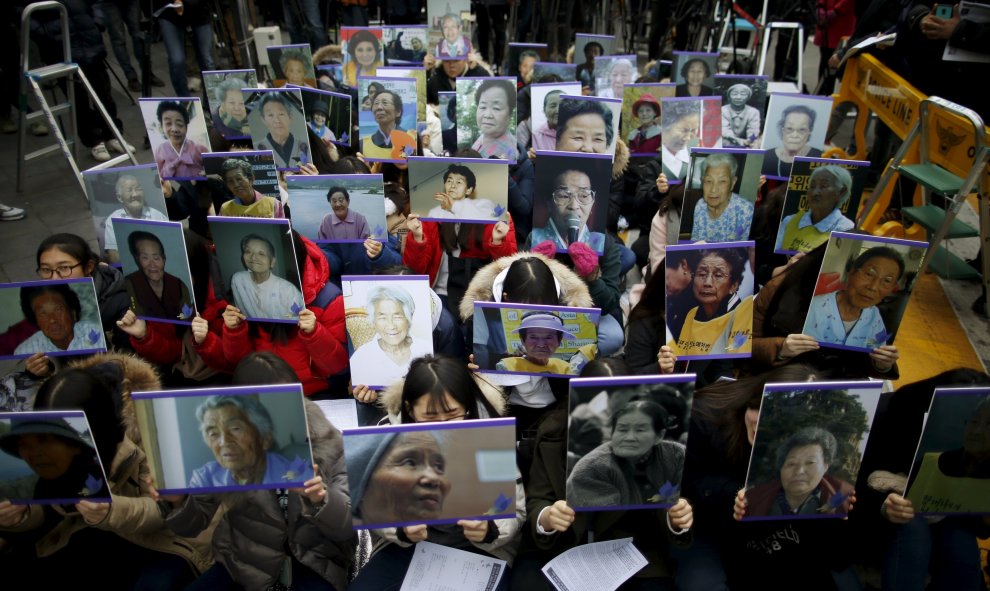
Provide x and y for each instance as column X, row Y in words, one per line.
column 240, row 164
column 464, row 171
column 808, row 436
column 263, row 367
column 528, row 53
column 28, row 295
column 505, row 85
column 70, row 244
column 802, row 109
column 333, row 190
column 575, row 107
column 591, row 44
column 658, row 416
column 363, row 36
column 396, row 100
column 687, row 64
column 737, row 263
column 176, row 106
column 880, row 252
column 278, row 97
column 134, row 237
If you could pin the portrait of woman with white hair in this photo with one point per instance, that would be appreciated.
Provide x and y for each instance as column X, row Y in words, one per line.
column 391, row 311
column 829, row 189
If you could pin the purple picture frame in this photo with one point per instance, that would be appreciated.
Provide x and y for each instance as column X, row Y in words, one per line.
column 18, row 317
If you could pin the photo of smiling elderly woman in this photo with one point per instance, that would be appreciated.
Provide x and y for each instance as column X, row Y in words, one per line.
column 177, row 132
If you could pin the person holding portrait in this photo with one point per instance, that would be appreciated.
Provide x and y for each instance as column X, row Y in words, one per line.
column 258, row 292
column 238, row 177
column 720, row 215
column 570, row 206
column 130, row 195
column 389, row 141
column 56, row 312
column 178, row 156
column 153, row 291
column 829, row 189
column 387, row 356
column 794, row 128
column 276, row 115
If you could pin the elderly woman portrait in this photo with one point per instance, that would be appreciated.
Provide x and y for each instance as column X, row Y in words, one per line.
column 495, row 110
column 296, row 68
column 803, row 485
column 55, row 310
column 154, row 292
column 850, row 316
column 545, row 136
column 620, row 72
column 319, row 113
column 633, row 466
column 343, row 223
column 694, row 72
column 680, row 124
column 794, row 130
column 241, row 435
column 237, row 175
column 364, row 51
column 584, row 126
column 230, row 116
column 570, row 204
column 397, row 477
column 389, row 141
column 645, row 139
column 178, row 157
column 741, row 123
column 386, row 357
column 454, row 42
column 829, row 189
column 541, row 334
column 277, row 114
column 258, row 292
column 459, row 198
column 721, row 323
column 130, row 195
column 720, row 215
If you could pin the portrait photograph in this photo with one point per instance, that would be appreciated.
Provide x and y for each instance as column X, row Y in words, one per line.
column 694, row 73
column 387, row 118
column 258, row 264
column 389, row 323
column 626, row 441
column 328, row 115
column 216, row 440
column 156, row 270
column 823, row 196
column 587, row 124
column 338, row 208
column 459, row 189
column 709, row 302
column 808, row 445
column 292, row 64
column 721, row 194
column 795, row 126
column 687, row 123
column 249, row 179
column 641, row 117
column 567, row 72
column 604, row 44
column 362, row 52
column 331, row 77
column 950, row 473
column 486, row 116
column 55, row 317
column 124, row 192
column 862, row 290
column 410, row 71
column 50, row 458
column 432, row 473
column 744, row 105
column 544, row 106
column 612, row 73
column 450, row 23
column 405, row 44
column 571, row 202
column 522, row 58
column 176, row 128
column 528, row 339
column 278, row 124
column 225, row 99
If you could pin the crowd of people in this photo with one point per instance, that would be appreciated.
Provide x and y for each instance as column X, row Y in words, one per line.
column 303, row 538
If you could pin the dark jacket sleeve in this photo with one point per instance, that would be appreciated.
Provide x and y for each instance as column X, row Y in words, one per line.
column 643, row 341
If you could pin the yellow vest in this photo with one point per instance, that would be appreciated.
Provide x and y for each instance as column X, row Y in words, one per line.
column 730, row 333
column 801, row 239
column 558, row 366
column 261, row 208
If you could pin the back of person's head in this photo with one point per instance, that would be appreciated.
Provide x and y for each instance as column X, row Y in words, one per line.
column 530, row 281
column 348, row 165
column 605, row 367
column 261, row 368
column 397, row 195
column 653, row 301
column 438, row 376
column 961, row 377
column 395, row 270
column 321, row 153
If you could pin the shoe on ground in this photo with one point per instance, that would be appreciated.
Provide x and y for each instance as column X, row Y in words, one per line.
column 100, row 153
column 114, row 146
column 38, row 128
column 157, row 82
column 10, row 214
column 134, row 85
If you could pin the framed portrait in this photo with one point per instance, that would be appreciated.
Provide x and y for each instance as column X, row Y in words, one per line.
column 362, row 51
column 278, row 124
column 176, row 128
column 257, row 261
column 871, row 279
column 744, row 106
column 328, row 115
column 795, row 126
column 544, row 106
column 225, row 99
column 459, row 189
column 468, row 469
column 587, row 124
column 126, row 191
column 612, row 73
column 451, row 25
column 567, row 72
column 808, row 448
column 389, row 323
column 947, row 478
column 720, row 196
column 231, row 169
column 710, row 300
column 641, row 117
column 292, row 64
column 218, row 440
column 596, row 45
column 156, row 270
column 626, row 441
column 574, row 190
column 417, row 72
column 522, row 57
column 527, row 339
column 54, row 317
column 330, row 77
column 486, row 116
column 338, row 208
column 405, row 44
column 387, row 118
column 50, row 458
column 694, row 73
column 687, row 123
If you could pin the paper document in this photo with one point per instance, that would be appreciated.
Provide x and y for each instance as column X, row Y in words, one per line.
column 879, row 41
column 601, row 566
column 439, row 568
column 341, row 413
column 158, row 13
column 978, row 13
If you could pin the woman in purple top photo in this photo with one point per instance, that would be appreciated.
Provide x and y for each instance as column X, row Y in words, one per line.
column 344, row 223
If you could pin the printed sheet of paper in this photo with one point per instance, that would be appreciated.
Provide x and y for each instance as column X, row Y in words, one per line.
column 978, row 13
column 601, row 566
column 341, row 413
column 439, row 568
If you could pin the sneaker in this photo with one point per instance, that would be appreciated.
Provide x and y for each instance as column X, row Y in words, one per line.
column 114, row 146
column 134, row 85
column 157, row 82
column 10, row 214
column 38, row 128
column 100, row 153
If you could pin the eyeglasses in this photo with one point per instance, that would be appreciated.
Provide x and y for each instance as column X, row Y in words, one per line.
column 582, row 196
column 717, row 276
column 62, row 271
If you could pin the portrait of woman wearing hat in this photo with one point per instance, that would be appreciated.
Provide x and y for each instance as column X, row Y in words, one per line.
column 318, row 115
column 541, row 334
column 645, row 139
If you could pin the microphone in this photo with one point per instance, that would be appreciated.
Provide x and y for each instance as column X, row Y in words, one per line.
column 573, row 227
